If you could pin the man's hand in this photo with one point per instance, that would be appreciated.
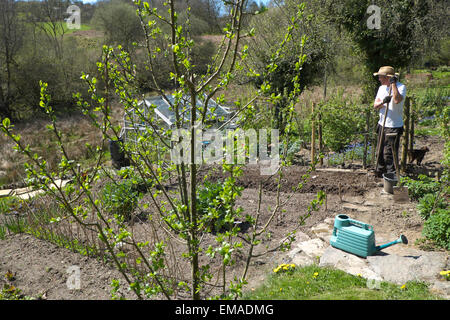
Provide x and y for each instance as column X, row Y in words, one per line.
column 387, row 99
column 393, row 79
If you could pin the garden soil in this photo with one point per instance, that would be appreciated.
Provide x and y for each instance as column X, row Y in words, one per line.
column 42, row 270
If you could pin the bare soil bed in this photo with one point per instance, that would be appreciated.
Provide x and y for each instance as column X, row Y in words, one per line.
column 40, row 268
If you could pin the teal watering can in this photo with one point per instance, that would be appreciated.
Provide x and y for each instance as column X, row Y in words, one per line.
column 357, row 237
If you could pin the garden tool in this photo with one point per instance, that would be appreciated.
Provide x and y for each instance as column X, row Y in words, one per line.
column 394, row 137
column 400, row 192
column 357, row 237
column 382, row 130
column 390, row 180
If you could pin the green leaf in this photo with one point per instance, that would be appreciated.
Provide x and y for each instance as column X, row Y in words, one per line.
column 6, row 122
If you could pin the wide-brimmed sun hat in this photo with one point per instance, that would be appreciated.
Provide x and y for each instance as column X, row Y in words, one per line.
column 386, row 71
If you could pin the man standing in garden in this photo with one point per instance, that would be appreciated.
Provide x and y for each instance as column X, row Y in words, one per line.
column 392, row 94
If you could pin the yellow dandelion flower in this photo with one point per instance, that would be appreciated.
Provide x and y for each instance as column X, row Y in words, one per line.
column 359, row 275
column 403, row 287
column 316, row 274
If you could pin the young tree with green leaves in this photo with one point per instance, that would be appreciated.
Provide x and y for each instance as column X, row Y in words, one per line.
column 183, row 215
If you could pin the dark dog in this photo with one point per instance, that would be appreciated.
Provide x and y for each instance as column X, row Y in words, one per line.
column 417, row 154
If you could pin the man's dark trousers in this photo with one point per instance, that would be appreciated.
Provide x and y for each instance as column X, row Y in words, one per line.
column 386, row 157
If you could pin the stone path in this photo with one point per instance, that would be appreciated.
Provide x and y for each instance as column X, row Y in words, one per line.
column 27, row 192
column 397, row 264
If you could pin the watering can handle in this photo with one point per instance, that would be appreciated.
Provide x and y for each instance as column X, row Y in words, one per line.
column 361, row 224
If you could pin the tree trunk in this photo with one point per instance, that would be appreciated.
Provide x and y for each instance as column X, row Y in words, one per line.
column 193, row 202
column 10, row 42
column 5, row 111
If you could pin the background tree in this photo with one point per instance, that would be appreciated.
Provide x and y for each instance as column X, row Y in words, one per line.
column 87, row 10
column 431, row 35
column 118, row 20
column 11, row 37
column 318, row 52
column 49, row 54
column 404, row 25
column 206, row 12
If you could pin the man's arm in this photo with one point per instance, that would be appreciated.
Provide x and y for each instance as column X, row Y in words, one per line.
column 378, row 104
column 395, row 93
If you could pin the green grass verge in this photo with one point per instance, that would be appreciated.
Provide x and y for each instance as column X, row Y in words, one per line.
column 427, row 131
column 61, row 27
column 38, row 226
column 315, row 283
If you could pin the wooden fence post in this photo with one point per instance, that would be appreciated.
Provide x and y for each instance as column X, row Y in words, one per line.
column 407, row 116
column 313, row 134
column 374, row 142
column 320, row 138
column 366, row 138
column 412, row 120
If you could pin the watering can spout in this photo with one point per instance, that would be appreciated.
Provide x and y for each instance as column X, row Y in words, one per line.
column 402, row 239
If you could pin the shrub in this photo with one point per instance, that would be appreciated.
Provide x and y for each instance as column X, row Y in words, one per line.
column 443, row 69
column 437, row 224
column 11, row 219
column 427, row 202
column 294, row 148
column 121, row 198
column 211, row 205
column 418, row 188
column 432, row 98
column 341, row 121
column 437, row 228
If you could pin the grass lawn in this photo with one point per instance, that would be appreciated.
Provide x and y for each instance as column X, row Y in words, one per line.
column 62, row 27
column 315, row 283
column 82, row 27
